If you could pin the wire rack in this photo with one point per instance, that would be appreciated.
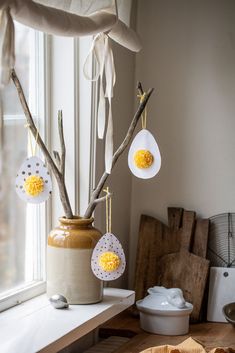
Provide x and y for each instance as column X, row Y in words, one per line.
column 221, row 243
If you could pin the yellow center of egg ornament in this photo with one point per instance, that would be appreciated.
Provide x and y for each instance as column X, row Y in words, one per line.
column 34, row 185
column 109, row 261
column 144, row 158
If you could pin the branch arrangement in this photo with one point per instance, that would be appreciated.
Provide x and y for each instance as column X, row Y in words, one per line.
column 59, row 169
column 58, row 166
column 119, row 151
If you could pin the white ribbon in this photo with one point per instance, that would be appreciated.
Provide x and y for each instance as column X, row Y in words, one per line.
column 101, row 51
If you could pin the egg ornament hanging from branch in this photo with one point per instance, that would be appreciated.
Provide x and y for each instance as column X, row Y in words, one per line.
column 33, row 181
column 144, row 158
column 108, row 259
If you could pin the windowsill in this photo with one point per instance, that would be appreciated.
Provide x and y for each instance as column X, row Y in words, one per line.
column 36, row 326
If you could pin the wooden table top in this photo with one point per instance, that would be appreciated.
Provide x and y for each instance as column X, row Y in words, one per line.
column 211, row 335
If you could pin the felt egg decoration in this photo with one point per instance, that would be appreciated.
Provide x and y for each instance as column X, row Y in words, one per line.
column 108, row 259
column 144, row 158
column 33, row 181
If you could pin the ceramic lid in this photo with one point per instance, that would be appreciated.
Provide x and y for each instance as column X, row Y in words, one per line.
column 161, row 299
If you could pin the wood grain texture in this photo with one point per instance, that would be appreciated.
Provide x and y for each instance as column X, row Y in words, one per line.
column 201, row 237
column 186, row 271
column 175, row 217
column 155, row 240
column 186, row 232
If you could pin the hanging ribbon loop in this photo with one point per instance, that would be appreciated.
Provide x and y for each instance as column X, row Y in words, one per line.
column 108, row 211
column 144, row 114
column 32, row 148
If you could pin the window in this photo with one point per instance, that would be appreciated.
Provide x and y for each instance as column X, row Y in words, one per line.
column 22, row 226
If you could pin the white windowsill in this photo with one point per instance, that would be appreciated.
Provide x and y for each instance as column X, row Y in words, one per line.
column 36, row 326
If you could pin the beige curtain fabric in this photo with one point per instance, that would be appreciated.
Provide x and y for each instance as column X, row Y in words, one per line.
column 60, row 22
column 73, row 18
column 66, row 18
column 81, row 7
column 7, row 41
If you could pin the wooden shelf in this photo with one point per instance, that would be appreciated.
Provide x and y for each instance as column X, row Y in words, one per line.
column 211, row 335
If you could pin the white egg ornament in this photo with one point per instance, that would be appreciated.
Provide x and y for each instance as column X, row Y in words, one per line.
column 33, row 181
column 144, row 158
column 108, row 259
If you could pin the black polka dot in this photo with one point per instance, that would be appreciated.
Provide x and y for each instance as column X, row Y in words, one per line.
column 23, row 172
column 37, row 171
column 29, row 173
column 37, row 164
column 29, row 166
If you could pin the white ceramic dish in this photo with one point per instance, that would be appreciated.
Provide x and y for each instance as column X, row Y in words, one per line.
column 164, row 312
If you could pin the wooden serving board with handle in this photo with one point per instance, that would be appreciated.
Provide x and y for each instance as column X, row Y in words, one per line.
column 188, row 272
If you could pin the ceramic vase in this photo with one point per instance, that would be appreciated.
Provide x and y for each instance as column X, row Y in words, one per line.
column 69, row 251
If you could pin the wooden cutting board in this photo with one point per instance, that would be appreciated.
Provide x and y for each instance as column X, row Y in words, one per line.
column 194, row 237
column 156, row 240
column 201, row 237
column 186, row 271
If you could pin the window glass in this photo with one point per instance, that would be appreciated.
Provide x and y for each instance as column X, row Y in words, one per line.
column 19, row 222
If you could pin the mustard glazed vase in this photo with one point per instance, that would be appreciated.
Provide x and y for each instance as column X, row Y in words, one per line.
column 69, row 251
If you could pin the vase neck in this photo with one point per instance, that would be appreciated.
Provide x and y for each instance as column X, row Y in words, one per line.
column 76, row 222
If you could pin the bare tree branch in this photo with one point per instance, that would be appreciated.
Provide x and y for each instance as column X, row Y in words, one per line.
column 96, row 192
column 140, row 88
column 57, row 173
column 57, row 159
column 104, row 198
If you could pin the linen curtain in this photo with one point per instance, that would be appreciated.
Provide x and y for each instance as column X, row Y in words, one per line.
column 104, row 19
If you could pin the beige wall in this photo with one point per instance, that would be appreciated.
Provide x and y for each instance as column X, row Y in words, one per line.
column 189, row 57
